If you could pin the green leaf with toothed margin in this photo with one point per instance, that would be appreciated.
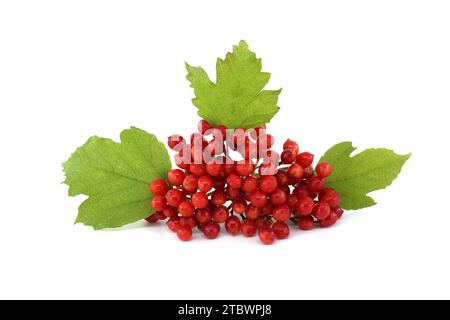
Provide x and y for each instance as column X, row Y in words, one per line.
column 355, row 176
column 237, row 99
column 116, row 177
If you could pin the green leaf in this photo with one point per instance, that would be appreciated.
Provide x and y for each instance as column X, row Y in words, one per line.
column 236, row 100
column 354, row 177
column 116, row 177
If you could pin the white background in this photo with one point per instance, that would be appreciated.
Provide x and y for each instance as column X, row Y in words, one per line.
column 373, row 72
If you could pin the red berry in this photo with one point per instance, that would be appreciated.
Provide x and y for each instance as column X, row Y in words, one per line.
column 233, row 225
column 219, row 182
column 188, row 222
column 281, row 213
column 213, row 168
column 197, row 169
column 186, row 208
column 174, row 197
column 305, row 206
column 184, row 233
column 218, row 197
column 305, row 159
column 258, row 199
column 233, row 193
column 244, row 168
column 268, row 184
column 291, row 145
column 295, row 171
column 291, row 202
column 205, row 183
column 265, row 235
column 324, row 169
column 250, row 184
column 280, row 230
column 300, row 192
column 330, row 196
column 287, row 156
column 176, row 177
column 211, row 229
column 253, row 212
column 282, row 178
column 170, row 212
column 159, row 203
column 180, row 163
column 203, row 125
column 159, row 187
column 267, row 209
column 308, row 173
column 190, row 184
column 203, row 215
column 234, row 181
column 239, row 206
column 153, row 218
column 329, row 221
column 228, row 168
column 248, row 228
column 277, row 197
column 316, row 184
column 321, row 211
column 338, row 211
column 220, row 214
column 176, row 142
column 173, row 224
column 306, row 223
column 199, row 200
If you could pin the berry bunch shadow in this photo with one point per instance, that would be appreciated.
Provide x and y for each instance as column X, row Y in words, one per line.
column 239, row 195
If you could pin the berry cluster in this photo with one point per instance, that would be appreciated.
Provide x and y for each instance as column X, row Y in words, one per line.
column 262, row 193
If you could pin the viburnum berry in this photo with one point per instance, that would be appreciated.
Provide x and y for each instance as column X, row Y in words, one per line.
column 339, row 212
column 291, row 201
column 203, row 215
column 176, row 177
column 159, row 187
column 330, row 196
column 213, row 168
column 159, row 203
column 174, row 197
column 287, row 156
column 205, row 183
column 329, row 221
column 153, row 218
column 190, row 184
column 291, row 145
column 282, row 178
column 176, row 142
column 239, row 206
column 280, row 230
column 265, row 235
column 248, row 228
column 305, row 159
column 281, row 213
column 190, row 222
column 267, row 209
column 305, row 206
column 197, row 169
column 170, row 212
column 306, row 223
column 211, row 229
column 218, row 197
column 220, row 214
column 277, row 197
column 199, row 200
column 324, row 169
column 233, row 225
column 258, row 199
column 250, row 184
column 233, row 193
column 321, row 211
column 186, row 208
column 173, row 224
column 295, row 171
column 219, row 183
column 244, row 168
column 253, row 212
column 268, row 184
column 228, row 168
column 234, row 181
column 316, row 184
column 184, row 233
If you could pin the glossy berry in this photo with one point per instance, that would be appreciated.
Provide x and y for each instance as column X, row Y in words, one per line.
column 295, row 171
column 281, row 213
column 280, row 230
column 205, row 183
column 305, row 206
column 244, row 168
column 239, row 206
column 324, row 169
column 265, row 235
column 268, row 184
column 197, row 169
column 258, row 199
column 186, row 208
column 188, row 221
column 211, row 229
column 170, row 212
column 176, row 142
column 176, row 177
column 306, row 223
column 184, row 233
column 220, row 214
column 159, row 203
column 305, row 159
column 282, row 178
column 291, row 201
column 330, row 196
column 316, row 184
column 250, row 184
column 321, row 210
column 234, row 181
column 277, row 197
column 253, row 212
column 203, row 216
column 233, row 193
column 199, row 200
column 287, row 156
column 291, row 145
column 174, row 197
column 159, row 187
column 233, row 225
column 213, row 168
column 329, row 221
column 173, row 224
column 190, row 184
column 218, row 197
column 339, row 212
column 248, row 228
column 152, row 219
